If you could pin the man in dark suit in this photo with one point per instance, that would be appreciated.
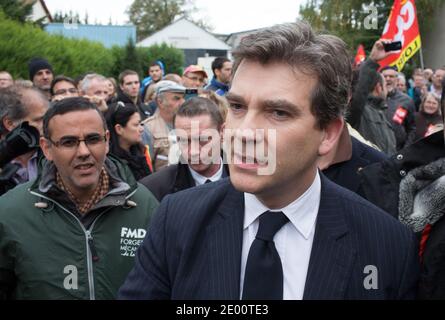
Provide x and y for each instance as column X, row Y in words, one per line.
column 278, row 229
column 198, row 124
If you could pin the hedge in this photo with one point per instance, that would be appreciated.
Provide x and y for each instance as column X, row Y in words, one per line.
column 71, row 57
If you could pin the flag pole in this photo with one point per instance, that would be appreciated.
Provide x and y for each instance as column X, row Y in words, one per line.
column 421, row 59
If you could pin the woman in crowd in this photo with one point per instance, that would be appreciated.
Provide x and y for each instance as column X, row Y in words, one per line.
column 429, row 117
column 124, row 123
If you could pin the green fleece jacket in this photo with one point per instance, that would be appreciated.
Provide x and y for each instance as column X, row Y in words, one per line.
column 46, row 252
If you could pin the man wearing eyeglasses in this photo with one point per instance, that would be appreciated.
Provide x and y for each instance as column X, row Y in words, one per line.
column 73, row 232
column 194, row 77
column 63, row 87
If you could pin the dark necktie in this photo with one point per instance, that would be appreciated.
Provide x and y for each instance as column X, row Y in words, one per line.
column 207, row 181
column 263, row 279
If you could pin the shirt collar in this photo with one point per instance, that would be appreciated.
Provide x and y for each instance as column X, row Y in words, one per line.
column 302, row 212
column 30, row 160
column 199, row 179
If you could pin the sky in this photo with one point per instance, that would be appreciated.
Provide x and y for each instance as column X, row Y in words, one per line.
column 225, row 16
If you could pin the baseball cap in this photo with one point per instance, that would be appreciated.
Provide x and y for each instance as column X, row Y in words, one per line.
column 169, row 86
column 195, row 68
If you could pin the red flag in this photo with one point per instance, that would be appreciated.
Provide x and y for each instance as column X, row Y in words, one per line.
column 360, row 56
column 402, row 26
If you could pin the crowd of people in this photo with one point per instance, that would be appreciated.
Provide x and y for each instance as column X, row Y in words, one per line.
column 134, row 188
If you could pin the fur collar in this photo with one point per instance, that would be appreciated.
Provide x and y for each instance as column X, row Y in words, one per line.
column 422, row 195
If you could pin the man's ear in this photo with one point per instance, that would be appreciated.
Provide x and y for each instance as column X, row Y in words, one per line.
column 107, row 147
column 45, row 145
column 8, row 124
column 331, row 135
column 217, row 73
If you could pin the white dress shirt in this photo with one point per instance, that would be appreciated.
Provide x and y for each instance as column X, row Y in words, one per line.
column 199, row 179
column 293, row 241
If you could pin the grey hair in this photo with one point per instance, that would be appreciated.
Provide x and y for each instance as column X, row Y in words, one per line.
column 86, row 82
column 17, row 99
column 324, row 57
column 9, row 101
column 401, row 76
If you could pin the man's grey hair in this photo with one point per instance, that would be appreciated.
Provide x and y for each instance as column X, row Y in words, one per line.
column 86, row 82
column 16, row 101
column 322, row 56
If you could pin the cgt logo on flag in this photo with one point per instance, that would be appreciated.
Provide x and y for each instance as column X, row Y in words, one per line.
column 402, row 26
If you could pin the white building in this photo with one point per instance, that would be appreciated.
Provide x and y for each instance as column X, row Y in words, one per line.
column 39, row 12
column 193, row 40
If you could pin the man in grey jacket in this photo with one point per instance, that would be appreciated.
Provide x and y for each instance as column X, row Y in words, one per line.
column 400, row 111
column 367, row 113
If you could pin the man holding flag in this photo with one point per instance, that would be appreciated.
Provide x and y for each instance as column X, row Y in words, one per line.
column 402, row 26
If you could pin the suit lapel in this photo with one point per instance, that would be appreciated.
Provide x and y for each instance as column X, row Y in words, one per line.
column 225, row 236
column 333, row 250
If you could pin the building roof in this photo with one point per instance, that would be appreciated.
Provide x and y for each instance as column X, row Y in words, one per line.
column 39, row 11
column 108, row 35
column 184, row 34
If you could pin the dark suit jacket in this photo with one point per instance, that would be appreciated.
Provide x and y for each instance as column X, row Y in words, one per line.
column 193, row 248
column 171, row 179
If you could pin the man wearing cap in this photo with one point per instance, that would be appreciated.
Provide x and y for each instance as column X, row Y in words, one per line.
column 194, row 77
column 169, row 97
column 41, row 74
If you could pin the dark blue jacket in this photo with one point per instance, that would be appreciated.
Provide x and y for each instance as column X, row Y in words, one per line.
column 194, row 243
column 219, row 87
column 346, row 173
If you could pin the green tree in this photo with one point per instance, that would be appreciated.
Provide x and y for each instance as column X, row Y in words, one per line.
column 129, row 58
column 345, row 18
column 150, row 16
column 16, row 10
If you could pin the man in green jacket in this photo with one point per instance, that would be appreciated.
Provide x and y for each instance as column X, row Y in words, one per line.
column 73, row 232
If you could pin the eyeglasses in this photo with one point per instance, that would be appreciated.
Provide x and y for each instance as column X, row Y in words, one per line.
column 65, row 91
column 74, row 142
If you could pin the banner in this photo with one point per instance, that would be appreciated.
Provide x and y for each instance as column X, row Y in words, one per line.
column 402, row 26
column 360, row 56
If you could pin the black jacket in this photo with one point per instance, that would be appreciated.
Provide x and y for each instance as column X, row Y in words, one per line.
column 381, row 184
column 135, row 159
column 171, row 179
column 144, row 110
column 380, row 181
column 346, row 173
column 405, row 126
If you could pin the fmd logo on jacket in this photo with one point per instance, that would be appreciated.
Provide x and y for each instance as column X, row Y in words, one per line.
column 130, row 241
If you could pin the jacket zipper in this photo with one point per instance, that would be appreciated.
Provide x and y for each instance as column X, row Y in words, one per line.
column 92, row 255
column 91, row 249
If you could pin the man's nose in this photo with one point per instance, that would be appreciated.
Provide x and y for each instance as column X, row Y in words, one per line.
column 82, row 149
